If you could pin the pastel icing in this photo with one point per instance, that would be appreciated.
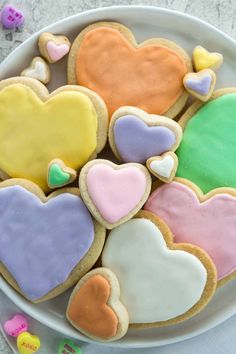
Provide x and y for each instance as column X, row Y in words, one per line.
column 201, row 84
column 41, row 243
column 209, row 224
column 16, row 325
column 115, row 193
column 203, row 59
column 63, row 127
column 39, row 71
column 136, row 141
column 57, row 51
column 149, row 77
column 88, row 309
column 207, row 153
column 56, row 175
column 163, row 167
column 157, row 284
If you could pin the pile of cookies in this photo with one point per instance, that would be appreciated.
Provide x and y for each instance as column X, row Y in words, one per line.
column 155, row 219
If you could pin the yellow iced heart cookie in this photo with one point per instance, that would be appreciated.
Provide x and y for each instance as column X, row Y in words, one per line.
column 202, row 59
column 35, row 129
column 27, row 343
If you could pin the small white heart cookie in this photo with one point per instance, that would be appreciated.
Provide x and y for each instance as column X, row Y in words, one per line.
column 163, row 167
column 38, row 70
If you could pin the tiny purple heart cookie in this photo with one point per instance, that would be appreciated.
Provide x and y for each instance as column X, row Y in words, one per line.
column 200, row 84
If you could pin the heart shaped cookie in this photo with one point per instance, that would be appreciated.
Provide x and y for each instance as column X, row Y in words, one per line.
column 59, row 174
column 162, row 283
column 207, row 153
column 202, row 59
column 163, row 167
column 69, row 124
column 201, row 84
column 114, row 193
column 207, row 221
column 27, row 343
column 55, row 238
column 53, row 47
column 38, row 70
column 106, row 58
column 95, row 309
column 135, row 136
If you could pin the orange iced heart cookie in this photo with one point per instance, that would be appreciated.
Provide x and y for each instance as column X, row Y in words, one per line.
column 106, row 58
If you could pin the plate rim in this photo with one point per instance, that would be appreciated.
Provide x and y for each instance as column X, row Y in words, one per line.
column 18, row 299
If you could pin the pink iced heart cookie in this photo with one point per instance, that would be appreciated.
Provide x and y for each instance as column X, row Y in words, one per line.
column 207, row 221
column 16, row 325
column 113, row 193
column 53, row 47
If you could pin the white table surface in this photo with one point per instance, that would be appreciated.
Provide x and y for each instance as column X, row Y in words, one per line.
column 39, row 13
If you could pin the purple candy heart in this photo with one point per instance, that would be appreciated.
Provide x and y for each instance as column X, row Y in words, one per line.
column 41, row 243
column 136, row 141
column 200, row 85
column 11, row 17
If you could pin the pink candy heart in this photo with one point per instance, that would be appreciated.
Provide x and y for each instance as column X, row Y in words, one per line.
column 11, row 17
column 57, row 51
column 16, row 325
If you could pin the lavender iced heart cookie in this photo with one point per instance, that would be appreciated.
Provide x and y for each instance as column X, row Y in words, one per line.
column 135, row 136
column 201, row 84
column 46, row 243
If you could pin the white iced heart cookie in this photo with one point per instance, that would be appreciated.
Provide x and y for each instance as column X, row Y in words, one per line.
column 161, row 282
column 38, row 70
column 163, row 167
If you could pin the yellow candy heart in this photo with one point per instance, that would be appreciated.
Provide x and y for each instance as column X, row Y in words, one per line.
column 33, row 132
column 202, row 59
column 27, row 343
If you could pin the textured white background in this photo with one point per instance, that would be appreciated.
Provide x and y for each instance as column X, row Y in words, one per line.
column 40, row 13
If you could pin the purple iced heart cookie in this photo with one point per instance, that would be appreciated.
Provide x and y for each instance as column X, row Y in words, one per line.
column 135, row 141
column 42, row 242
column 199, row 84
column 11, row 17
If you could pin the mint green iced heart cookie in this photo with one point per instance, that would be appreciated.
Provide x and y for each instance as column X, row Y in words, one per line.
column 59, row 174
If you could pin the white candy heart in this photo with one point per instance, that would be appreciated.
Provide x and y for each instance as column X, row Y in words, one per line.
column 38, row 70
column 163, row 167
column 156, row 283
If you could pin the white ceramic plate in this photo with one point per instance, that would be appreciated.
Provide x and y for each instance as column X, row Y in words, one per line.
column 146, row 22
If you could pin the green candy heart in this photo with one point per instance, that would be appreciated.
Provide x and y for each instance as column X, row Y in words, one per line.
column 207, row 153
column 66, row 346
column 57, row 177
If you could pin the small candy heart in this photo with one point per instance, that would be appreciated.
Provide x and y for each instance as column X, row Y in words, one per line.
column 200, row 84
column 11, row 17
column 16, row 325
column 202, row 59
column 163, row 167
column 59, row 175
column 38, row 70
column 66, row 346
column 27, row 343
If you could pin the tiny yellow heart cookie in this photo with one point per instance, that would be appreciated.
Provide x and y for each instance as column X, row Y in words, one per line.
column 202, row 59
column 27, row 343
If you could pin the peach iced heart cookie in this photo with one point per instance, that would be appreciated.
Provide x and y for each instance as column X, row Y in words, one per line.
column 70, row 124
column 162, row 283
column 114, row 193
column 207, row 221
column 135, row 136
column 53, row 47
column 55, row 239
column 95, row 309
column 106, row 58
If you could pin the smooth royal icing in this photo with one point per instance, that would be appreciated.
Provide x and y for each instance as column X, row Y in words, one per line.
column 163, row 167
column 136, row 141
column 156, row 283
column 57, row 51
column 203, row 59
column 149, row 77
column 209, row 225
column 200, row 84
column 33, row 133
column 207, row 153
column 88, row 308
column 115, row 193
column 39, row 71
column 41, row 243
